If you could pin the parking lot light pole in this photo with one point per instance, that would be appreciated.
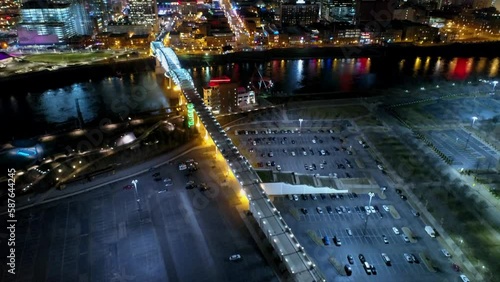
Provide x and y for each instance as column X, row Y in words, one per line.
column 137, row 194
column 300, row 125
column 371, row 194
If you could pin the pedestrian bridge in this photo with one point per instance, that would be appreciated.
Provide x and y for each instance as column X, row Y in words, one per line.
column 296, row 264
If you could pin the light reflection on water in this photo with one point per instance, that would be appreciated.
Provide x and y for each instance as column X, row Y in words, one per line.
column 117, row 98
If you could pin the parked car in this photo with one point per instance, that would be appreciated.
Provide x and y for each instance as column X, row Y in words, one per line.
column 396, row 231
column 350, row 259
column 235, row 257
column 446, row 253
column 408, row 257
column 415, row 259
column 348, row 270
column 337, row 241
column 362, row 258
column 386, row 259
column 326, row 240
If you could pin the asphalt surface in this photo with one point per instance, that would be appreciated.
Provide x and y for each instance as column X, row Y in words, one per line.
column 370, row 243
column 177, row 235
column 467, row 152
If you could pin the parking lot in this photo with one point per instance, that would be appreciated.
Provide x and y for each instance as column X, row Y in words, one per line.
column 325, row 151
column 467, row 152
column 348, row 216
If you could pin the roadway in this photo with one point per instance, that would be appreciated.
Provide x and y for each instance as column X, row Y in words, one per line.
column 176, row 236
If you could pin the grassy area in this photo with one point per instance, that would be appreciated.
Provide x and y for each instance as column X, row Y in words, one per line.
column 394, row 212
column 409, row 233
column 285, row 177
column 359, row 163
column 315, row 237
column 428, row 263
column 408, row 163
column 337, row 265
column 265, row 175
column 67, row 57
column 295, row 213
column 307, row 180
column 368, row 121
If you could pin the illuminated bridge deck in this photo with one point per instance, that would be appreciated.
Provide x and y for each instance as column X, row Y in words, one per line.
column 299, row 265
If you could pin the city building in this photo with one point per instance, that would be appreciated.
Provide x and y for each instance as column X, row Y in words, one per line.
column 299, row 13
column 211, row 97
column 143, row 12
column 245, row 99
column 375, row 13
column 339, row 10
column 415, row 32
column 99, row 13
column 481, row 4
column 62, row 20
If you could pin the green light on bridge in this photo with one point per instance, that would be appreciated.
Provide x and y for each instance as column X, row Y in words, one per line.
column 190, row 112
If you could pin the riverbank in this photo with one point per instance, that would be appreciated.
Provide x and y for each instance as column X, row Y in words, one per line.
column 46, row 79
column 486, row 49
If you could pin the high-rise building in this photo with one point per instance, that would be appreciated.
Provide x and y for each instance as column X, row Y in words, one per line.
column 338, row 10
column 48, row 19
column 299, row 13
column 143, row 12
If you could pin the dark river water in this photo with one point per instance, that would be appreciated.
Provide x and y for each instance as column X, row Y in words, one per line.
column 51, row 110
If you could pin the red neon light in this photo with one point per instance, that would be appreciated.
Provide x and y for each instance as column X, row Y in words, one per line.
column 220, row 79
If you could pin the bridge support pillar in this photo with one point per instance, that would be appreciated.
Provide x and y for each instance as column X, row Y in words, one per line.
column 158, row 68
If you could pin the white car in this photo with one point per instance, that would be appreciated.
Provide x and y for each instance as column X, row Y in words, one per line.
column 293, row 154
column 380, row 167
column 446, row 253
column 314, row 141
column 295, row 197
column 372, row 209
column 464, row 278
column 367, row 209
column 235, row 257
column 386, row 208
column 396, row 231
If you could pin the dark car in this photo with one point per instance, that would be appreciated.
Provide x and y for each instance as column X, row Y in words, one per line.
column 348, row 270
column 156, row 174
column 362, row 258
column 403, row 197
column 203, row 187
column 190, row 185
column 329, row 209
column 399, row 191
column 374, row 270
column 415, row 259
column 304, row 210
column 350, row 259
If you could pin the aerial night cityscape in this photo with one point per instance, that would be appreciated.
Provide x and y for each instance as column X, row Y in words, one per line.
column 250, row 140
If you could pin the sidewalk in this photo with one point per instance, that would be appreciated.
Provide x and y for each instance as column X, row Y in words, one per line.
column 29, row 201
